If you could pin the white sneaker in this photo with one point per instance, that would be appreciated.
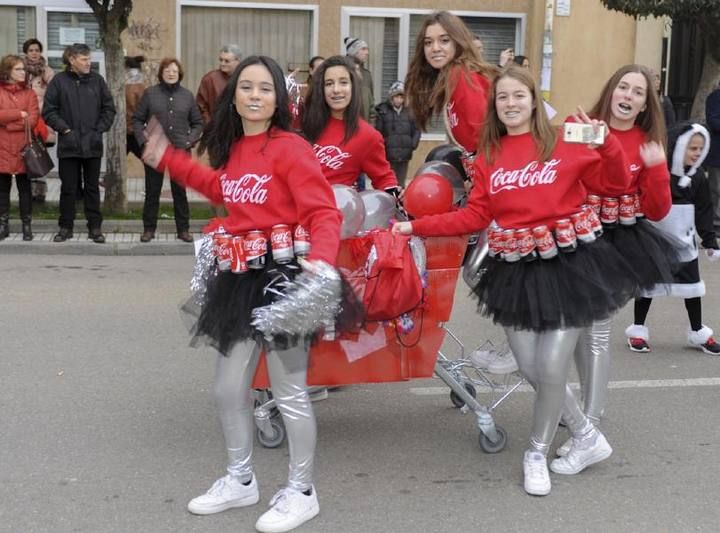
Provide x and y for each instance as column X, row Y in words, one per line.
column 481, row 358
column 563, row 450
column 537, row 477
column 582, row 454
column 503, row 364
column 226, row 493
column 289, row 508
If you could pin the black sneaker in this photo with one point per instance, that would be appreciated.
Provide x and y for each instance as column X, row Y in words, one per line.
column 96, row 236
column 63, row 235
column 710, row 347
column 639, row 345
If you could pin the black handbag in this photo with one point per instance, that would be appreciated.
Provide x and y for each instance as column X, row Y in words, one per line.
column 37, row 160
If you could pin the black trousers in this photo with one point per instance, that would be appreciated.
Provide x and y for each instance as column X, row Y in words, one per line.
column 76, row 172
column 400, row 168
column 24, row 193
column 153, row 187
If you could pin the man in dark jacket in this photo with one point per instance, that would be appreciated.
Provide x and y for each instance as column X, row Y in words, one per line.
column 399, row 130
column 79, row 106
column 712, row 162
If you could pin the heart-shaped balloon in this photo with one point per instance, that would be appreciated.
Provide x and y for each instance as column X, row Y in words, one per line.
column 379, row 209
column 351, row 206
column 448, row 172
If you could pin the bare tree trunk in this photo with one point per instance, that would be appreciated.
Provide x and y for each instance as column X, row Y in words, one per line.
column 710, row 73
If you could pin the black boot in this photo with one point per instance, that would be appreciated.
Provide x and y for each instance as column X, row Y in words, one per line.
column 27, row 229
column 4, row 227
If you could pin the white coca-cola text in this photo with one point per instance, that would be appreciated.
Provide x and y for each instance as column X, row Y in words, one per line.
column 281, row 239
column 534, row 173
column 453, row 119
column 255, row 247
column 330, row 156
column 247, row 189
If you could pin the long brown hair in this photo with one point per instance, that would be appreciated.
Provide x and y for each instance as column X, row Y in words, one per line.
column 544, row 134
column 427, row 88
column 651, row 120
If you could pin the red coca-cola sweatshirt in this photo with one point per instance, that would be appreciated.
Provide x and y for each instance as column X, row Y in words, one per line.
column 363, row 153
column 269, row 179
column 467, row 106
column 518, row 191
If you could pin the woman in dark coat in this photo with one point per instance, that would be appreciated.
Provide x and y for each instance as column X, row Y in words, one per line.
column 175, row 108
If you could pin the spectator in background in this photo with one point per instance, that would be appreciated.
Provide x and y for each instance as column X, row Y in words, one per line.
column 78, row 105
column 479, row 46
column 523, row 61
column 399, row 130
column 213, row 83
column 38, row 75
column 134, row 89
column 358, row 51
column 712, row 162
column 665, row 102
column 177, row 112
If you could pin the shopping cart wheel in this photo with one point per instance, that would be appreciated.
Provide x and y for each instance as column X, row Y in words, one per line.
column 274, row 440
column 493, row 447
column 459, row 402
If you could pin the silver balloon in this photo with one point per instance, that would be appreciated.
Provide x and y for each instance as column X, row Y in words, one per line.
column 448, row 172
column 379, row 209
column 351, row 206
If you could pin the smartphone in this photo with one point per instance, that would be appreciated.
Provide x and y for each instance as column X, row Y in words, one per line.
column 576, row 132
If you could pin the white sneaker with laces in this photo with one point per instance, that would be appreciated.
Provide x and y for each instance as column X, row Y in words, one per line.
column 481, row 358
column 226, row 493
column 289, row 508
column 563, row 450
column 582, row 454
column 537, row 477
column 503, row 364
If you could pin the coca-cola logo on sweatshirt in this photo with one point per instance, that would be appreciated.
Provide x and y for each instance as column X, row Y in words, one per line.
column 533, row 174
column 453, row 119
column 330, row 156
column 247, row 189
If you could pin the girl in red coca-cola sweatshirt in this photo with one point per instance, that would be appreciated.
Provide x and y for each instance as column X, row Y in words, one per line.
column 345, row 145
column 264, row 175
column 527, row 177
column 447, row 76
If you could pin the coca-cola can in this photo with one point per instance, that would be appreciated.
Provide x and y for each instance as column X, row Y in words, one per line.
column 595, row 202
column 626, row 210
column 222, row 249
column 510, row 249
column 544, row 242
column 583, row 229
column 495, row 243
column 281, row 243
column 525, row 244
column 594, row 220
column 638, row 208
column 301, row 241
column 565, row 236
column 255, row 247
column 238, row 264
column 610, row 211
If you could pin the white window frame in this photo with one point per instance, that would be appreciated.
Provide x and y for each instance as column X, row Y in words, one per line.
column 406, row 40
column 312, row 8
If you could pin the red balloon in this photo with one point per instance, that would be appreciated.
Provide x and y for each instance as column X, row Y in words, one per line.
column 428, row 194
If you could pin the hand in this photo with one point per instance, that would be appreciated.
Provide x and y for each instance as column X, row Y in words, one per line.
column 24, row 114
column 403, row 228
column 713, row 255
column 156, row 143
column 506, row 56
column 652, row 153
column 598, row 125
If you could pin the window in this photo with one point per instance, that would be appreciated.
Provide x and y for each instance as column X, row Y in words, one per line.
column 17, row 24
column 78, row 26
column 284, row 34
column 383, row 37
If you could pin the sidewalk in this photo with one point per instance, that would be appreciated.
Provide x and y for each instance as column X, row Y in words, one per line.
column 122, row 236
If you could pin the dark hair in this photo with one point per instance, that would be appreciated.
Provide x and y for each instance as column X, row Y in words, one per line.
column 225, row 126
column 317, row 112
column 77, row 49
column 165, row 63
column 651, row 120
column 134, row 61
column 6, row 65
column 27, row 44
column 313, row 59
column 520, row 60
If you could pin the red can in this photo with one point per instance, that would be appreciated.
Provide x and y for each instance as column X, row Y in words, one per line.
column 626, row 211
column 510, row 248
column 595, row 202
column 565, row 235
column 495, row 245
column 546, row 247
column 255, row 247
column 610, row 212
column 281, row 243
column 595, row 223
column 638, row 207
column 222, row 249
column 238, row 264
column 525, row 244
column 583, row 229
column 301, row 241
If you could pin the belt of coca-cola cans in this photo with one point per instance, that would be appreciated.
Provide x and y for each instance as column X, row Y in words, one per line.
column 240, row 253
column 527, row 244
column 625, row 210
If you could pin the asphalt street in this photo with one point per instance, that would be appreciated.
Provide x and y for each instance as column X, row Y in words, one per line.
column 107, row 423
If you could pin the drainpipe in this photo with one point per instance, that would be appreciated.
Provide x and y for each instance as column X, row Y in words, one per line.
column 546, row 70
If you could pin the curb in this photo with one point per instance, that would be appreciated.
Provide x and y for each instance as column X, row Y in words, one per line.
column 165, row 244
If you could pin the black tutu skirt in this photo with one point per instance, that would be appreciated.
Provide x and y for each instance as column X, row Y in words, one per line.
column 571, row 290
column 225, row 315
column 650, row 253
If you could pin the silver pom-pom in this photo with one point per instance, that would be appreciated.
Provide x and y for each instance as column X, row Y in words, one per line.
column 204, row 262
column 310, row 302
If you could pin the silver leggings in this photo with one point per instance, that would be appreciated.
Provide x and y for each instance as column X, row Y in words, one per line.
column 544, row 360
column 234, row 398
column 592, row 359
